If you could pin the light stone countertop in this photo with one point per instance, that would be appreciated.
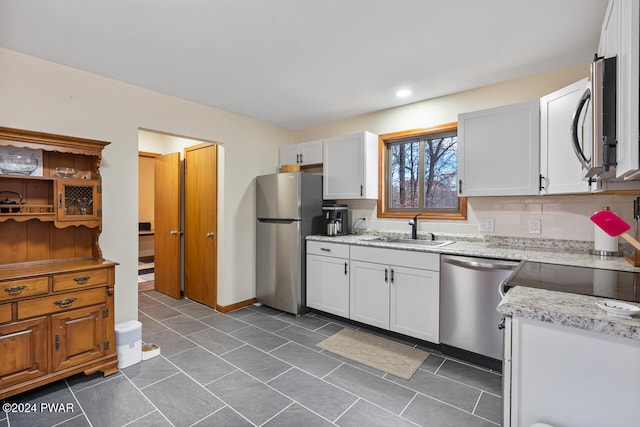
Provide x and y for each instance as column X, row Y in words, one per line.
column 561, row 308
column 480, row 249
column 578, row 311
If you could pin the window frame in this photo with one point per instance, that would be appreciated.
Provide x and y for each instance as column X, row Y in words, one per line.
column 383, row 178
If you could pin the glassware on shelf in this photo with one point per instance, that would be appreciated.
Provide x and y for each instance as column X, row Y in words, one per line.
column 84, row 203
column 17, row 164
column 66, row 172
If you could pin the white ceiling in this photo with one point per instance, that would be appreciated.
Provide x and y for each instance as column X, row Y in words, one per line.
column 298, row 63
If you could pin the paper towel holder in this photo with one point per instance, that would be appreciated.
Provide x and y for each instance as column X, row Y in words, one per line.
column 606, row 243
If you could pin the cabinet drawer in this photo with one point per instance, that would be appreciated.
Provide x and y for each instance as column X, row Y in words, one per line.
column 5, row 313
column 24, row 288
column 62, row 302
column 338, row 250
column 412, row 259
column 80, row 279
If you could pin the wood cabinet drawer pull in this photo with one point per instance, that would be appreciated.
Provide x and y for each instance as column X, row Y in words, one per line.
column 15, row 290
column 64, row 303
column 82, row 280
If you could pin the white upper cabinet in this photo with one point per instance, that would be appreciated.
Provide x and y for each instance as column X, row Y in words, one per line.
column 303, row 154
column 560, row 170
column 350, row 168
column 627, row 15
column 610, row 33
column 499, row 151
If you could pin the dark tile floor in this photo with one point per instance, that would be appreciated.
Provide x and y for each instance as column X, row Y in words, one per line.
column 258, row 367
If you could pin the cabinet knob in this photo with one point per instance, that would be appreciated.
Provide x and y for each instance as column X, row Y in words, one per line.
column 210, row 234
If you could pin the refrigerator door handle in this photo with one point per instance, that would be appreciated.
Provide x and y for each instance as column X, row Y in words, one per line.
column 277, row 220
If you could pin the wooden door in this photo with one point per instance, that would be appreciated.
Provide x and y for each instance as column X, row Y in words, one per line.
column 200, row 219
column 167, row 225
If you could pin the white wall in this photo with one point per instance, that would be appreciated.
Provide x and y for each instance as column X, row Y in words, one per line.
column 44, row 96
column 564, row 217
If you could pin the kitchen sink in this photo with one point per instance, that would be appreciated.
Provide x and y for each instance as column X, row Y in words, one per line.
column 419, row 242
column 382, row 239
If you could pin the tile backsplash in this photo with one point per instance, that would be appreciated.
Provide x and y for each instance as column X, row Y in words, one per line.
column 558, row 217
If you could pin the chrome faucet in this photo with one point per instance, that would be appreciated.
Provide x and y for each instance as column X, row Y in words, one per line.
column 414, row 227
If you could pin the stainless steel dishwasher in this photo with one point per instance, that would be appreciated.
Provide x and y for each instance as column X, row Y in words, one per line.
column 468, row 300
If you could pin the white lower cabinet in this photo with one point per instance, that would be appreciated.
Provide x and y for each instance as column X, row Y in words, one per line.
column 387, row 288
column 415, row 296
column 328, row 277
column 369, row 296
column 389, row 292
column 566, row 376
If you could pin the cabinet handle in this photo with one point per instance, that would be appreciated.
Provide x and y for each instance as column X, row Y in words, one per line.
column 301, row 157
column 210, row 234
column 540, row 186
column 15, row 290
column 460, row 186
column 298, row 158
column 325, row 249
column 59, row 200
column 361, row 190
column 345, row 268
column 81, row 280
column 64, row 303
column 386, row 275
column 392, row 278
column 174, row 232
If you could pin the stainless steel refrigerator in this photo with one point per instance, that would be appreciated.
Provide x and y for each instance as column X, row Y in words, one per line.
column 288, row 208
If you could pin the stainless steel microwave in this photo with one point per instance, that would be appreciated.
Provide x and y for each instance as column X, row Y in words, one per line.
column 594, row 122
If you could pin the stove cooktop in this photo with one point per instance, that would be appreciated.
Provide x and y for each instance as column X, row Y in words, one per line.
column 620, row 285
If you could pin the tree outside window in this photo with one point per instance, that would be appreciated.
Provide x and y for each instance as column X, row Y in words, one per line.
column 420, row 174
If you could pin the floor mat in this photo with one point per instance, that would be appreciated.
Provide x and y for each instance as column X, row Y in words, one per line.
column 380, row 353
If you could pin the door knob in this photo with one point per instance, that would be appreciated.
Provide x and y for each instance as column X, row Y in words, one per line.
column 210, row 234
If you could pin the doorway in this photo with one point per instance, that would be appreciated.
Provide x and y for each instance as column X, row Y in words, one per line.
column 185, row 207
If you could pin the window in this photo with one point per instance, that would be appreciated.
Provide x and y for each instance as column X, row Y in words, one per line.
column 419, row 174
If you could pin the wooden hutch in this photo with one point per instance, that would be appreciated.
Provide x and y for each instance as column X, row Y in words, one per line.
column 56, row 290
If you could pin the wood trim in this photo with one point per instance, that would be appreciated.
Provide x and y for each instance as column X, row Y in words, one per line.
column 148, row 154
column 382, row 176
column 231, row 307
column 52, row 142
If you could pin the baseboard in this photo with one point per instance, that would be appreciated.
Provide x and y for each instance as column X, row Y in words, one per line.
column 228, row 308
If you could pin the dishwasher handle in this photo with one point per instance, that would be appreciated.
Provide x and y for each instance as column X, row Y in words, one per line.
column 477, row 264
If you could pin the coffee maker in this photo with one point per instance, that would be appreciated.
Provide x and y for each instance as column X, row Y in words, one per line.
column 336, row 218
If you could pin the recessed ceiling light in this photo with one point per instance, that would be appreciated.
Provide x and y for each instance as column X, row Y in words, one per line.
column 403, row 93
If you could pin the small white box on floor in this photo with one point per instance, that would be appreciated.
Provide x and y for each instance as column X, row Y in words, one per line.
column 129, row 343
